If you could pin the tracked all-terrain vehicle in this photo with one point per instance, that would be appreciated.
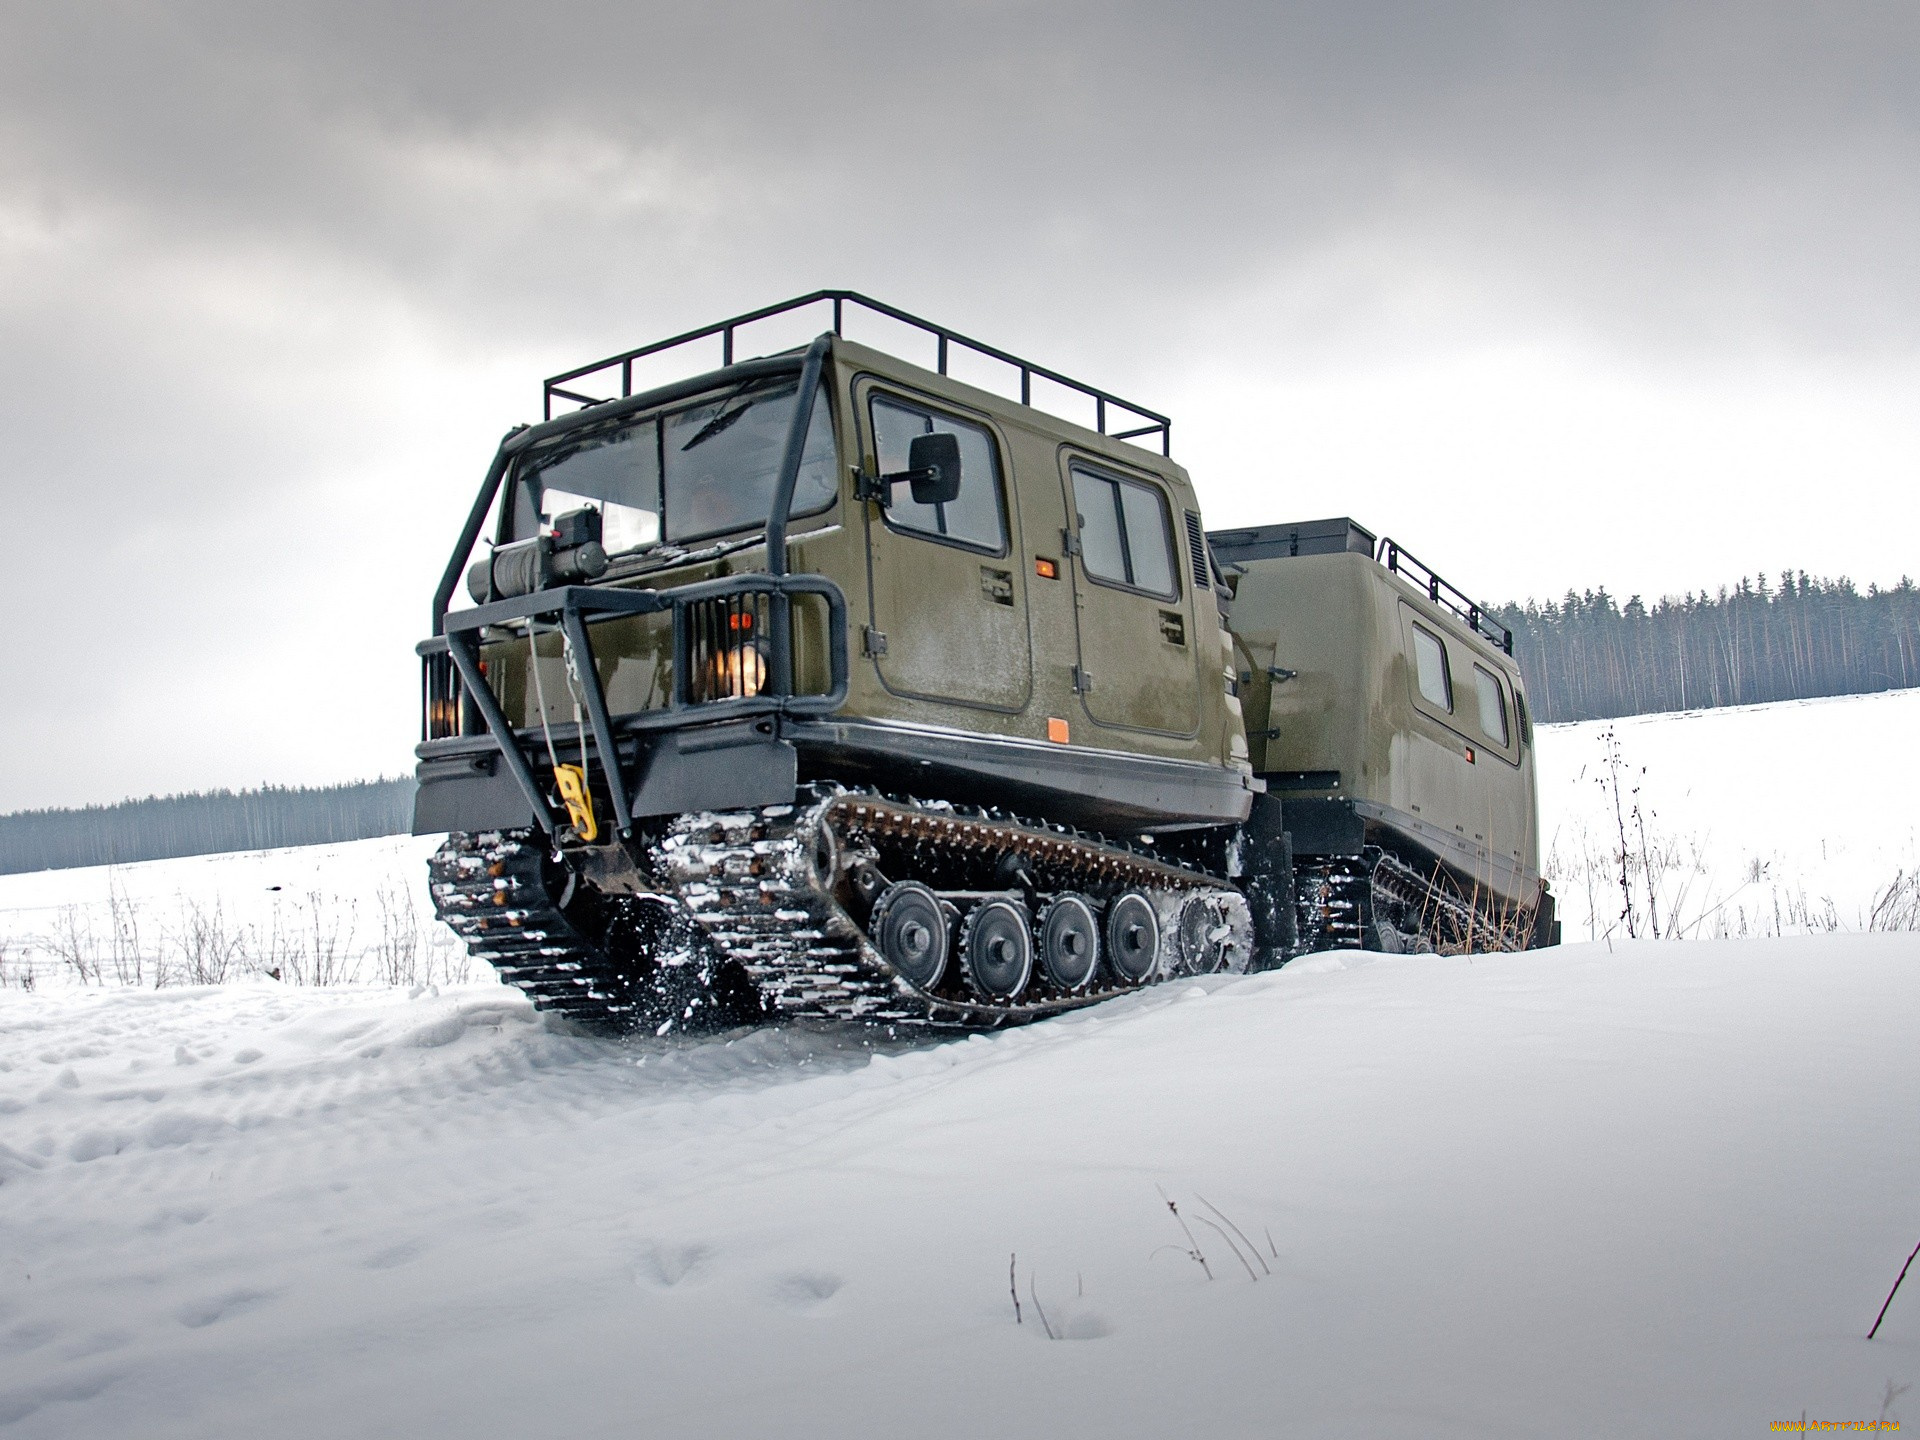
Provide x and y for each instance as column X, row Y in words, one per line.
column 824, row 683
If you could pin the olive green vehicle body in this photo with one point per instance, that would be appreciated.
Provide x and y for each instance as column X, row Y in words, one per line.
column 1350, row 744
column 962, row 654
column 1256, row 713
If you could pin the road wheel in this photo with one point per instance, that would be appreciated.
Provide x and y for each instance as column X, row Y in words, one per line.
column 909, row 928
column 1133, row 938
column 996, row 944
column 1069, row 942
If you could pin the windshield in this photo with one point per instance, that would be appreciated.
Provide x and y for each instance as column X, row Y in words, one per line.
column 704, row 469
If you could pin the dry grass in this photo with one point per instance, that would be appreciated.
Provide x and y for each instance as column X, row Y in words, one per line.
column 313, row 940
column 1640, row 880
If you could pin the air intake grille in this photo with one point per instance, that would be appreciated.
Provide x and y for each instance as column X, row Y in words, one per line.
column 1197, row 549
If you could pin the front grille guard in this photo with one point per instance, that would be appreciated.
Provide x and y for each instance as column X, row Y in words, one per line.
column 697, row 644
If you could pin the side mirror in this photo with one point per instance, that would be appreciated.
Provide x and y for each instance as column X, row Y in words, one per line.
column 934, row 468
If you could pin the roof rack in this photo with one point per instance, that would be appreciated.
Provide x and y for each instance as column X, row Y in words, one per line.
column 1401, row 562
column 841, row 301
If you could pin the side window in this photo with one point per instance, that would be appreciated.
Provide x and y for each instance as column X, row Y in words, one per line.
column 1493, row 706
column 1125, row 536
column 1430, row 666
column 976, row 518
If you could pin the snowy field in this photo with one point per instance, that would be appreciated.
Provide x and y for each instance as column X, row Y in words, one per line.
column 1793, row 818
column 1622, row 1188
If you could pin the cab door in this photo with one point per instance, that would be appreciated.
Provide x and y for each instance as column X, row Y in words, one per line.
column 948, row 603
column 1138, row 668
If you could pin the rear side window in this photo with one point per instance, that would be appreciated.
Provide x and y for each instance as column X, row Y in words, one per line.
column 1430, row 669
column 1493, row 706
column 976, row 518
column 1125, row 536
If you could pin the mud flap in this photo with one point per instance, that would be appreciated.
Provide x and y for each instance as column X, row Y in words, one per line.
column 1546, row 921
column 725, row 767
column 1268, row 861
column 473, row 793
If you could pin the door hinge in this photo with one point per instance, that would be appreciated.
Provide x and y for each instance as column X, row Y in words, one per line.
column 1069, row 542
column 1082, row 680
column 872, row 641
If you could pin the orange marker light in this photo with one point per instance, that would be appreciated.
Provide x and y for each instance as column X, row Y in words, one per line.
column 1045, row 568
column 1469, row 755
column 1056, row 730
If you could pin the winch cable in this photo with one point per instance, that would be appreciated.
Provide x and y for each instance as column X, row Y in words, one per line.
column 540, row 691
column 575, row 687
column 569, row 780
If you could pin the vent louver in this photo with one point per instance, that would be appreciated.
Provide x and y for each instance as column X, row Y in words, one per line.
column 1197, row 549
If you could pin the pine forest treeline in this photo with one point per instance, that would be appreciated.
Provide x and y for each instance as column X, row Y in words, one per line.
column 1589, row 657
column 163, row 827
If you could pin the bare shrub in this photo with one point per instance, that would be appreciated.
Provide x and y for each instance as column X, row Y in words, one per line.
column 210, row 952
column 312, row 950
column 329, row 951
column 447, row 957
column 396, row 954
column 123, row 935
column 1639, row 879
column 73, row 945
column 15, row 971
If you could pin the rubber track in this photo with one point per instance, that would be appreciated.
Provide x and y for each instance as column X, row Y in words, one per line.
column 1451, row 924
column 490, row 889
column 754, row 882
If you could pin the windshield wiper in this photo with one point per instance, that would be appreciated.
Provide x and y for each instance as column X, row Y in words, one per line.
column 727, row 417
column 714, row 426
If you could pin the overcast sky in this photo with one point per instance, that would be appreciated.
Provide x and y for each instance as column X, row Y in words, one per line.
column 1560, row 296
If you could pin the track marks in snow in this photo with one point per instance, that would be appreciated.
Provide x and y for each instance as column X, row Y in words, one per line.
column 212, row 1309
column 807, row 1292
column 173, row 1217
column 669, row 1267
column 92, row 1144
column 16, row 1405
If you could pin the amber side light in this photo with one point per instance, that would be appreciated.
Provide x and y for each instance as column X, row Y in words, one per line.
column 1045, row 568
column 1056, row 730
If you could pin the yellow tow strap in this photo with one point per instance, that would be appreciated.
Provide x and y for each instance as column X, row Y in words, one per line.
column 572, row 780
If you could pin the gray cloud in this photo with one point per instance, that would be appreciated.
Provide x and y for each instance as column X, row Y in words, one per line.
column 1757, row 160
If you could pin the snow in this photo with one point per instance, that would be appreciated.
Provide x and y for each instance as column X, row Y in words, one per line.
column 1759, row 819
column 358, row 910
column 1654, row 1187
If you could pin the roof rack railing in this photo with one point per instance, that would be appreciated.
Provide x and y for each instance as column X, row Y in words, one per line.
column 1402, row 562
column 842, row 301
